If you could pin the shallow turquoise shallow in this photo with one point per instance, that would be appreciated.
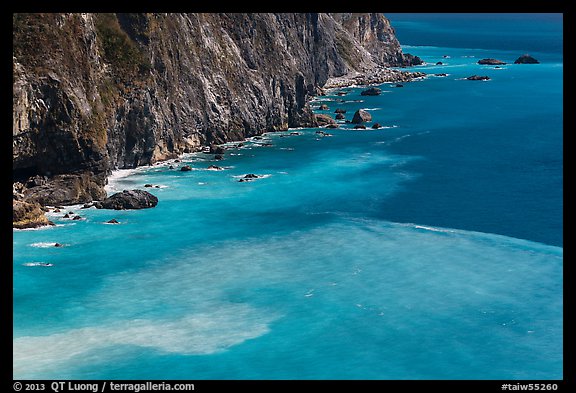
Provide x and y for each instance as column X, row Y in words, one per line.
column 428, row 249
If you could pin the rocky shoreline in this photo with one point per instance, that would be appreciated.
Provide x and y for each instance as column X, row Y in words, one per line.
column 32, row 198
column 373, row 77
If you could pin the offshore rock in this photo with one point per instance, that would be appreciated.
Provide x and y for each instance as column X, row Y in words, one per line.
column 372, row 91
column 129, row 199
column 491, row 62
column 526, row 59
column 478, row 78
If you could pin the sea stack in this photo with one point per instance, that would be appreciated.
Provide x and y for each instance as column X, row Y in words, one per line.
column 526, row 59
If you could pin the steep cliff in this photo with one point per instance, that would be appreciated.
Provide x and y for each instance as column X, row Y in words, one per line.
column 94, row 92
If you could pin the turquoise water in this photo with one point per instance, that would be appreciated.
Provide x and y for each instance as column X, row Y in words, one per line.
column 427, row 249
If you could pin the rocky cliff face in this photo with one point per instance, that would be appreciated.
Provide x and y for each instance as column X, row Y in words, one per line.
column 94, row 92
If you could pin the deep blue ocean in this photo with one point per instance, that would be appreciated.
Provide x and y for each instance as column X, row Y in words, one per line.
column 430, row 248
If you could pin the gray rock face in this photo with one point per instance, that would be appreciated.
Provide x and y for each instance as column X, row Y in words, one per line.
column 361, row 116
column 129, row 199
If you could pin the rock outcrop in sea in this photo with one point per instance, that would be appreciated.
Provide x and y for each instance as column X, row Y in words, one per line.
column 97, row 92
column 361, row 116
column 526, row 59
column 491, row 62
column 129, row 200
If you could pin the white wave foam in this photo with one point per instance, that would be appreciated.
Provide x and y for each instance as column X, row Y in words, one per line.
column 433, row 229
column 43, row 264
column 198, row 334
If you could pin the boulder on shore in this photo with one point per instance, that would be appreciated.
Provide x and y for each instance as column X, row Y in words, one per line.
column 340, row 116
column 361, row 116
column 186, row 168
column 323, row 107
column 323, row 120
column 129, row 199
column 526, row 59
column 373, row 91
column 28, row 215
column 491, row 62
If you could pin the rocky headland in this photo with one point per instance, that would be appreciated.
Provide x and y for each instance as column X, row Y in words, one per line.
column 98, row 92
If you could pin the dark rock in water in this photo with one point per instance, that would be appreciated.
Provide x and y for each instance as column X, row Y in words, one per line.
column 342, row 93
column 497, row 67
column 176, row 160
column 340, row 110
column 323, row 120
column 66, row 215
column 340, row 116
column 491, row 62
column 526, row 59
column 77, row 218
column 361, row 116
column 294, row 133
column 445, row 56
column 57, row 210
column 218, row 157
column 58, row 245
column 113, row 221
column 148, row 185
column 478, row 78
column 441, row 74
column 332, row 126
column 249, row 177
column 215, row 168
column 87, row 206
column 399, row 85
column 319, row 132
column 70, row 212
column 376, row 126
column 347, row 121
column 323, row 107
column 240, row 145
column 360, row 127
column 411, row 60
column 373, row 91
column 439, row 63
column 171, row 167
column 257, row 138
column 186, row 168
column 130, row 199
